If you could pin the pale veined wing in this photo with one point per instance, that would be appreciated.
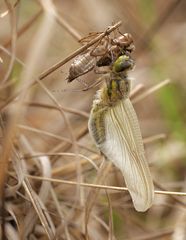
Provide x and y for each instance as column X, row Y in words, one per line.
column 117, row 134
column 124, row 147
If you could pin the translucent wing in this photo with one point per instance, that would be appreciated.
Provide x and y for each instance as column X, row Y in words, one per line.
column 124, row 147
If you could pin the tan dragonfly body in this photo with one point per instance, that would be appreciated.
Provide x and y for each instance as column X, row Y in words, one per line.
column 114, row 126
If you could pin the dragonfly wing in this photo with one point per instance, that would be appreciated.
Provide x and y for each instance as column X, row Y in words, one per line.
column 123, row 145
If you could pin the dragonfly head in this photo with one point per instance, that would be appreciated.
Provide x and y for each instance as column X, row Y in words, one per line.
column 123, row 63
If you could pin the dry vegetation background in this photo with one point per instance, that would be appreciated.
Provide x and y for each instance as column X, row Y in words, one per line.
column 44, row 127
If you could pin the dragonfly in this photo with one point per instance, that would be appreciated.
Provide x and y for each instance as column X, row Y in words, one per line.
column 114, row 127
column 103, row 54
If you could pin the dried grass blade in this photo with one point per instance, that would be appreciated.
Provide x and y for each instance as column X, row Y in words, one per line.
column 103, row 171
column 35, row 202
column 150, row 91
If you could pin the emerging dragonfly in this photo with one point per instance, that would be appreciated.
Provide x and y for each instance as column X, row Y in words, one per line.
column 106, row 52
column 114, row 126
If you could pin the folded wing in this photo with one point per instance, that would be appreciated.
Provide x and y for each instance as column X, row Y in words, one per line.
column 123, row 145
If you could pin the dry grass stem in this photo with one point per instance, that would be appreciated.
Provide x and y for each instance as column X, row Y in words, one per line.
column 136, row 91
column 102, row 186
column 63, row 23
column 93, row 193
column 154, row 138
column 24, row 28
column 161, row 234
column 69, row 110
column 63, row 154
column 151, row 90
column 67, row 140
column 3, row 14
column 13, row 24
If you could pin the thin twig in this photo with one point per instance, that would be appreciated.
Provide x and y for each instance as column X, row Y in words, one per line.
column 13, row 24
column 156, row 235
column 25, row 27
column 101, row 186
column 62, row 22
column 136, row 91
column 149, row 34
column 154, row 138
column 39, row 131
column 64, row 147
column 150, row 91
column 66, row 109
column 70, row 168
column 3, row 14
column 36, row 204
column 175, row 198
column 62, row 154
column 93, row 193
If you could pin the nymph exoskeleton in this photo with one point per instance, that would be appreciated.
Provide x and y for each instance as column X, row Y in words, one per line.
column 102, row 54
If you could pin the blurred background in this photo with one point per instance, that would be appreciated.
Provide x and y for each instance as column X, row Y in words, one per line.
column 159, row 32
